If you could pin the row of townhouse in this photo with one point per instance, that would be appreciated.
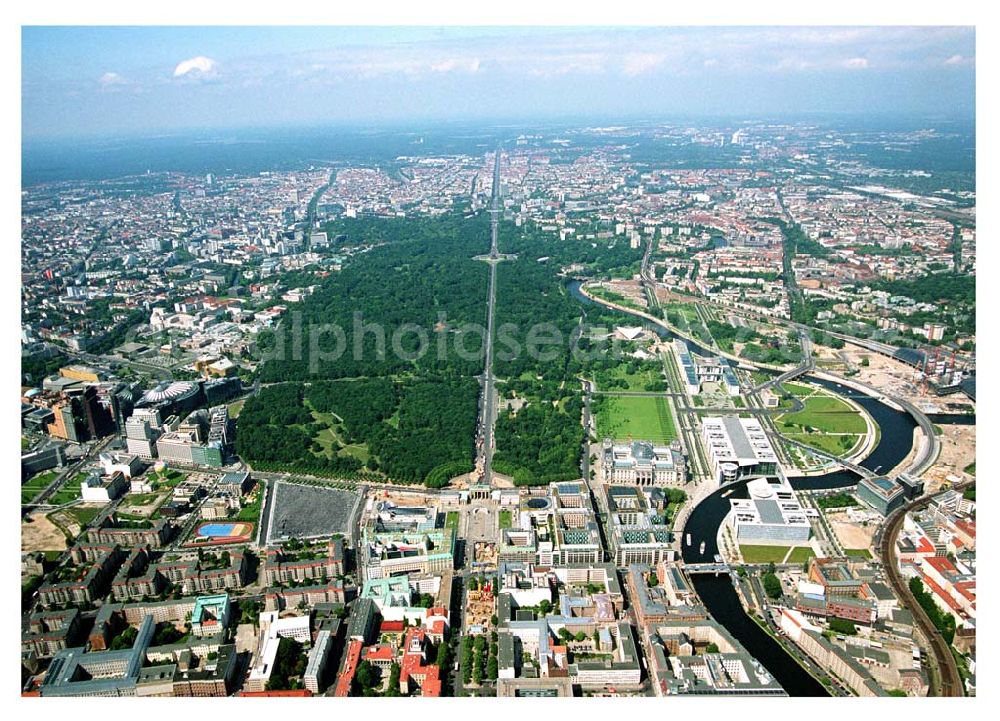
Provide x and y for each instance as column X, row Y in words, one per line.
column 281, row 566
column 49, row 632
column 188, row 572
column 109, row 529
column 84, row 577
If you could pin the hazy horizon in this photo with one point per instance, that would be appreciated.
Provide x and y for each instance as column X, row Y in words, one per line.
column 134, row 81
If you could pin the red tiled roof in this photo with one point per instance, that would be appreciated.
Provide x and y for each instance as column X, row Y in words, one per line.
column 941, row 564
column 350, row 667
column 943, row 596
column 966, row 527
column 431, row 686
column 382, row 652
column 413, row 666
column 967, row 589
column 392, row 627
column 925, row 546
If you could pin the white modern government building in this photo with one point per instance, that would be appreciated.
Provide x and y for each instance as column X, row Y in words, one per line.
column 737, row 448
column 772, row 514
column 696, row 370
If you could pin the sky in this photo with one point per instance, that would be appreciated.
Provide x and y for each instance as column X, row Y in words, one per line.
column 85, row 81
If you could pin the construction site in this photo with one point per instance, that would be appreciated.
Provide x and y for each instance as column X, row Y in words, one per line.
column 480, row 605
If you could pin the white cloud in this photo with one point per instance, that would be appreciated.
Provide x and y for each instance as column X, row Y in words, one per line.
column 793, row 64
column 639, row 63
column 856, row 63
column 958, row 60
column 110, row 79
column 199, row 65
column 447, row 66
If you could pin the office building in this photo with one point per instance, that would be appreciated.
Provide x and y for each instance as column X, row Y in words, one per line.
column 210, row 615
column 737, row 448
column 695, row 371
column 316, row 664
column 703, row 658
column 882, row 494
column 272, row 630
column 771, row 515
column 634, row 537
column 74, row 672
column 97, row 489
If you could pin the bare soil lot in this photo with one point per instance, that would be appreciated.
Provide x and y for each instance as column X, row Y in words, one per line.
column 41, row 534
column 851, row 535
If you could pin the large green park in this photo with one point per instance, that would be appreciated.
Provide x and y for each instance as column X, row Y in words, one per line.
column 646, row 418
column 411, row 417
column 826, row 422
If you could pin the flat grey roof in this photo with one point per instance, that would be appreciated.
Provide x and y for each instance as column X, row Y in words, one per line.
column 741, row 446
column 769, row 511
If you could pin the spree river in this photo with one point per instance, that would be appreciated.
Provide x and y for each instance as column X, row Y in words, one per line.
column 717, row 592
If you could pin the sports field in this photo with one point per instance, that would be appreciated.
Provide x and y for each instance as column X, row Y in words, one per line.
column 638, row 417
column 221, row 532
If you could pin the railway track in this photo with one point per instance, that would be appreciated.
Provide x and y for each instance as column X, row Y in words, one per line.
column 949, row 680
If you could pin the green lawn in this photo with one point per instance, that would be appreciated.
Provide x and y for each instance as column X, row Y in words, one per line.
column 801, row 554
column 764, row 554
column 613, row 297
column 797, row 389
column 84, row 514
column 235, row 408
column 69, row 491
column 858, row 552
column 66, row 494
column 141, row 499
column 505, row 519
column 971, row 469
column 35, row 485
column 639, row 417
column 686, row 311
column 330, row 436
column 168, row 479
column 635, row 381
column 838, row 445
column 251, row 512
column 451, row 519
column 831, row 415
column 837, row 428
